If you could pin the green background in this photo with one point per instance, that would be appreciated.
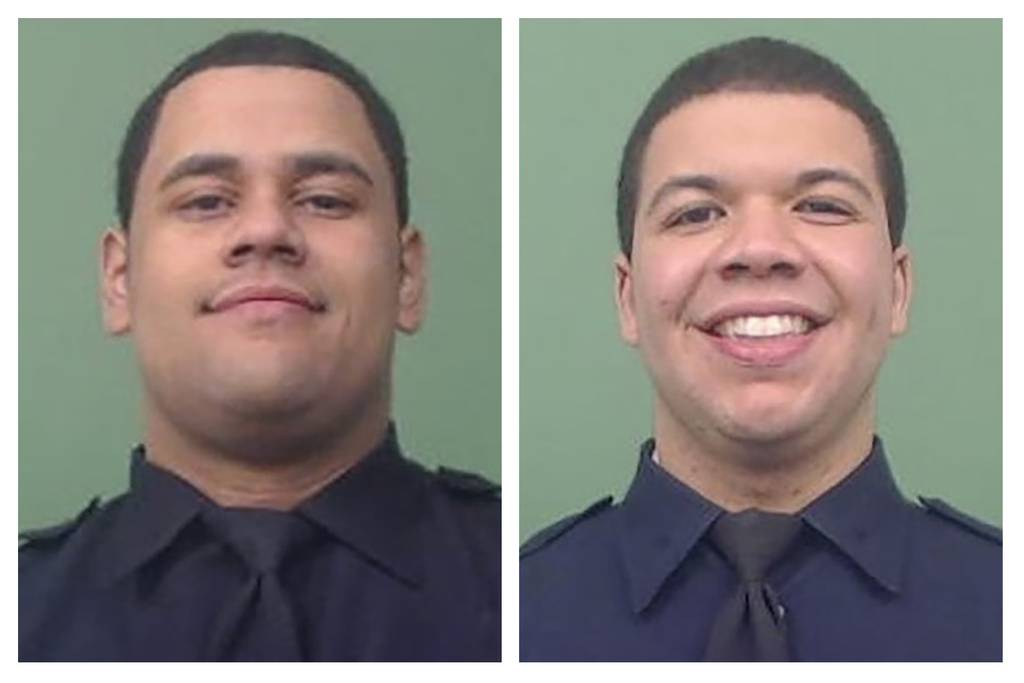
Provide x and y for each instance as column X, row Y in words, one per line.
column 585, row 401
column 80, row 81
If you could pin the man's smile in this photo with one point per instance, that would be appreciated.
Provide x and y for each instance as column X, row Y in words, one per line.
column 253, row 293
column 763, row 333
column 263, row 302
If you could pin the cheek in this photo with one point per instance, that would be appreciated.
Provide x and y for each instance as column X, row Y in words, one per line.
column 667, row 284
column 161, row 283
column 362, row 267
column 864, row 281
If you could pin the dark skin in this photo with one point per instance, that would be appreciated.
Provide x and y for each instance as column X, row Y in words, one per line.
column 263, row 282
column 762, row 294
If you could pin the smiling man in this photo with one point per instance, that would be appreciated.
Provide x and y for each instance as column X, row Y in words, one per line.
column 263, row 264
column 762, row 277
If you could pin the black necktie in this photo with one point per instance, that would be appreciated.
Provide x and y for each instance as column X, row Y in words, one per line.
column 258, row 624
column 751, row 626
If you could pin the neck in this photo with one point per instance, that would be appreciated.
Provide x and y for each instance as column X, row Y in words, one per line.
column 783, row 476
column 280, row 483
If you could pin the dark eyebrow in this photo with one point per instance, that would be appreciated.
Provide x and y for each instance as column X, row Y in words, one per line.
column 327, row 163
column 301, row 166
column 681, row 182
column 223, row 165
column 803, row 180
column 837, row 175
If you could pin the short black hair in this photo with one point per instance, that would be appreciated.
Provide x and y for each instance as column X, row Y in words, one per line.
column 770, row 65
column 261, row 48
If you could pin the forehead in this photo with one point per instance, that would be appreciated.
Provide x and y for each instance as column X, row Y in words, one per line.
column 260, row 113
column 755, row 138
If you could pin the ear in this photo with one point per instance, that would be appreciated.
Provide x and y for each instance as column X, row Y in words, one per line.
column 902, row 290
column 624, row 299
column 114, row 281
column 412, row 287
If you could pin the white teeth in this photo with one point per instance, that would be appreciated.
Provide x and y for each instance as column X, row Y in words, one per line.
column 763, row 326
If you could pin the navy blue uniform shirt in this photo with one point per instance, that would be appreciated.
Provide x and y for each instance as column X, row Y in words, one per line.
column 400, row 564
column 873, row 577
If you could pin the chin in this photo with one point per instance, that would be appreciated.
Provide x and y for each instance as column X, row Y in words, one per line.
column 263, row 397
column 762, row 436
column 766, row 425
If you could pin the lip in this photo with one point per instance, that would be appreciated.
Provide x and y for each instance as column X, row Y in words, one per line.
column 764, row 352
column 271, row 293
column 761, row 308
column 767, row 352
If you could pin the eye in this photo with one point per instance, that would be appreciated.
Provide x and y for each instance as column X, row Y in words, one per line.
column 328, row 205
column 825, row 210
column 696, row 215
column 206, row 206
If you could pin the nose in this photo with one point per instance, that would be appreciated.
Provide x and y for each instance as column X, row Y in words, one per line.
column 761, row 244
column 266, row 231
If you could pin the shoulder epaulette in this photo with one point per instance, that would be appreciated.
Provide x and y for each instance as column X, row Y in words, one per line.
column 545, row 536
column 58, row 531
column 467, row 483
column 950, row 513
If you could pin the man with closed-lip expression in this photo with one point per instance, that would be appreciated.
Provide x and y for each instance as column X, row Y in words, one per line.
column 761, row 278
column 263, row 264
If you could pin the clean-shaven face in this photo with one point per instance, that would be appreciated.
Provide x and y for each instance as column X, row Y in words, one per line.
column 265, row 267
column 762, row 290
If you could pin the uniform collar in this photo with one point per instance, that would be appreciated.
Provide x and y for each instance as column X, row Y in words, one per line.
column 663, row 519
column 378, row 508
column 866, row 517
column 158, row 506
column 375, row 508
